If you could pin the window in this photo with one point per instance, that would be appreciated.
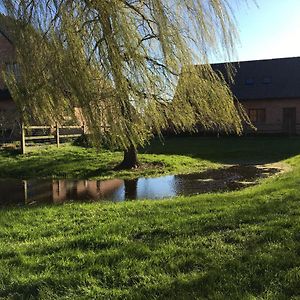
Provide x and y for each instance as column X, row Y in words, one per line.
column 249, row 81
column 267, row 80
column 13, row 68
column 257, row 115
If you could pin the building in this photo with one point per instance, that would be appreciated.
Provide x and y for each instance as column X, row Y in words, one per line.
column 270, row 93
column 9, row 117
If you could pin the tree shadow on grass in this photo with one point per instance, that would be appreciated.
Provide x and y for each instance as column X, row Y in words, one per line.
column 252, row 251
column 229, row 150
column 9, row 152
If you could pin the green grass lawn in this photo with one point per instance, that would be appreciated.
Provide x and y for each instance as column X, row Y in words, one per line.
column 238, row 245
column 77, row 162
column 176, row 156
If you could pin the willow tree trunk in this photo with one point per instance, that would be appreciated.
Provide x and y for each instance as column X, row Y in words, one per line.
column 130, row 160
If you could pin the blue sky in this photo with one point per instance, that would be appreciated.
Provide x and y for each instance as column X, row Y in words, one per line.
column 270, row 29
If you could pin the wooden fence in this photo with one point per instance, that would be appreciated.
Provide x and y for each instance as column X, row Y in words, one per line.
column 56, row 134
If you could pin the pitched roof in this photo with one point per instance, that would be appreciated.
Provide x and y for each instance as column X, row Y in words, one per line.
column 265, row 79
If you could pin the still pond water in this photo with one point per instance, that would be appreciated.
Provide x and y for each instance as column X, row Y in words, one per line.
column 28, row 192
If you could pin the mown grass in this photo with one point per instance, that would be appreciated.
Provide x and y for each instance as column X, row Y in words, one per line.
column 76, row 162
column 229, row 150
column 176, row 156
column 239, row 245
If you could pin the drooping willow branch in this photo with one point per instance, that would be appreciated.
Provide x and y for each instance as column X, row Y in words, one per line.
column 128, row 65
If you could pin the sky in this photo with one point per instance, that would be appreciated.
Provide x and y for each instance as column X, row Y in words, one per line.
column 268, row 29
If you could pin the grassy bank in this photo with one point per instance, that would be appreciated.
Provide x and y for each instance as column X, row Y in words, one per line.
column 240, row 245
column 77, row 162
column 176, row 156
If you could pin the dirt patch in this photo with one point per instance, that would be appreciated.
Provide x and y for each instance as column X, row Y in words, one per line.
column 228, row 178
column 282, row 167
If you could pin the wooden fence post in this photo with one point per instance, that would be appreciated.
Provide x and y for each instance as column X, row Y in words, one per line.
column 25, row 189
column 57, row 134
column 23, row 141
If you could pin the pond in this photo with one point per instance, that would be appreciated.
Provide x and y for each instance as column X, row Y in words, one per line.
column 46, row 191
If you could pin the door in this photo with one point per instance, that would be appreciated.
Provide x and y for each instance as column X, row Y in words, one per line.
column 289, row 120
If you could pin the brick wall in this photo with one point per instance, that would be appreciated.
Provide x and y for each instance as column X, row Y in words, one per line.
column 274, row 113
column 9, row 119
column 6, row 56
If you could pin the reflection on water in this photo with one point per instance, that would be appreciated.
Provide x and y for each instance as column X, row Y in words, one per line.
column 20, row 192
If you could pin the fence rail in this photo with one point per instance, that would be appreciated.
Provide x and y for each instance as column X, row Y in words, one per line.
column 57, row 135
column 38, row 127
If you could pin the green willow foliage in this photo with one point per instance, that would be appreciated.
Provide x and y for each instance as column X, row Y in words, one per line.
column 120, row 61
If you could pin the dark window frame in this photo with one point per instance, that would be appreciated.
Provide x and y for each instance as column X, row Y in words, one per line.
column 13, row 68
column 257, row 115
column 267, row 80
column 249, row 81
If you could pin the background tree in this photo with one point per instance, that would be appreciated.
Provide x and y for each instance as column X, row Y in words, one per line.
column 119, row 61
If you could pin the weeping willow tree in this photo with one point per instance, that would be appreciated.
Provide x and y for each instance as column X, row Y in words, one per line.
column 119, row 61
